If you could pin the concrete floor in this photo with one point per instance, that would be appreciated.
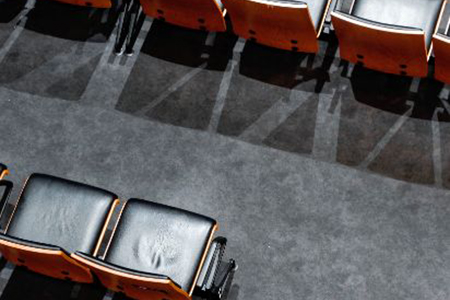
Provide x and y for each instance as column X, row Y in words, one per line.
column 328, row 183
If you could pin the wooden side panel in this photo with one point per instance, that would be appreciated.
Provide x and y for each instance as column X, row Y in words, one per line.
column 4, row 173
column 134, row 286
column 52, row 263
column 89, row 3
column 276, row 25
column 442, row 58
column 194, row 14
column 384, row 49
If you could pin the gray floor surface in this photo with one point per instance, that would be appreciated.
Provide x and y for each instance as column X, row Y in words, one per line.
column 330, row 184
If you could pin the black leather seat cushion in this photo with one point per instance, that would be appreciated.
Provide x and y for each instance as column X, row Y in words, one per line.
column 412, row 13
column 154, row 238
column 60, row 212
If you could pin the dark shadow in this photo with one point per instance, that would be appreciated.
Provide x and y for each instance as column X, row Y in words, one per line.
column 25, row 284
column 392, row 93
column 286, row 68
column 383, row 91
column 270, row 65
column 72, row 22
column 427, row 99
column 9, row 9
column 187, row 47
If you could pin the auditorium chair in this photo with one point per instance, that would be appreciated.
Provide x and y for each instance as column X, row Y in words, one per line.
column 392, row 36
column 160, row 252
column 205, row 15
column 285, row 24
column 441, row 45
column 53, row 218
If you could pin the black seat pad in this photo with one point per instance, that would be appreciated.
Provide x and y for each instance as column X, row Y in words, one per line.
column 60, row 212
column 420, row 14
column 154, row 238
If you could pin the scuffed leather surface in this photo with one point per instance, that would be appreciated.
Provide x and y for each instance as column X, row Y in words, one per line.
column 154, row 238
column 60, row 212
column 412, row 13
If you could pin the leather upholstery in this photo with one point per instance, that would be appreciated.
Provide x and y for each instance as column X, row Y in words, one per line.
column 60, row 212
column 421, row 14
column 154, row 238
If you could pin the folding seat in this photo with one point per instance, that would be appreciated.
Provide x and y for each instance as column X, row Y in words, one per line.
column 195, row 14
column 285, row 24
column 161, row 252
column 392, row 36
column 53, row 218
column 441, row 44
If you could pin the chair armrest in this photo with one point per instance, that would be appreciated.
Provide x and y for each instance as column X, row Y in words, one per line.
column 216, row 275
column 445, row 20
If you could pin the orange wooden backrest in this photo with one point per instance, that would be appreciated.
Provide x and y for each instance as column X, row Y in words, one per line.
column 280, row 25
column 194, row 14
column 4, row 173
column 441, row 46
column 386, row 49
column 134, row 286
column 89, row 3
column 50, row 262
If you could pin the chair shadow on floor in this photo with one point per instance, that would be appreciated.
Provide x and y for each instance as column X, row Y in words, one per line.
column 9, row 9
column 289, row 69
column 189, row 47
column 392, row 93
column 388, row 125
column 25, row 284
column 72, row 22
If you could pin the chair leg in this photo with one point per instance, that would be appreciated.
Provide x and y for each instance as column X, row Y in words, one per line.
column 123, row 27
column 138, row 18
column 223, row 281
